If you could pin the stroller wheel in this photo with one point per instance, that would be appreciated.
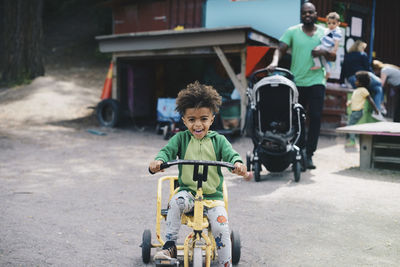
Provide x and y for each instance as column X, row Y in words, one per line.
column 297, row 170
column 248, row 160
column 257, row 170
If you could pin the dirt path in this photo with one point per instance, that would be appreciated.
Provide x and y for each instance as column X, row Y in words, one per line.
column 72, row 198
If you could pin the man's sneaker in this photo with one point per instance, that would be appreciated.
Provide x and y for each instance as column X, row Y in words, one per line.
column 310, row 164
column 168, row 252
column 303, row 160
column 383, row 110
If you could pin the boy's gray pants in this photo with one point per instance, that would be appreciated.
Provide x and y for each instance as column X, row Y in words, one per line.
column 183, row 201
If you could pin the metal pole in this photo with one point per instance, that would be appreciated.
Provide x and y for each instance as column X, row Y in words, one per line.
column 371, row 41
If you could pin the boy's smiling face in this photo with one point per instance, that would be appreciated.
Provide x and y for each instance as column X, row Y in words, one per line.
column 198, row 121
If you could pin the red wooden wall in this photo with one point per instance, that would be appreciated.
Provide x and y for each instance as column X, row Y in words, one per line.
column 152, row 15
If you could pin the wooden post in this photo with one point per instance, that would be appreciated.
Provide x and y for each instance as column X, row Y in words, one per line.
column 365, row 151
column 114, row 94
column 241, row 84
column 228, row 68
column 243, row 93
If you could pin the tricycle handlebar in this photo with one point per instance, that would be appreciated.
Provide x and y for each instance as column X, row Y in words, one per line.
column 200, row 177
column 197, row 162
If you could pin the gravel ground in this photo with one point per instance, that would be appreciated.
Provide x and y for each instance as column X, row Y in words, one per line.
column 72, row 198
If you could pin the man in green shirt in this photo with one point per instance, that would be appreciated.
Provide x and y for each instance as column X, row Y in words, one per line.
column 302, row 39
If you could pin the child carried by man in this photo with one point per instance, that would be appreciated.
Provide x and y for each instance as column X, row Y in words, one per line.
column 330, row 41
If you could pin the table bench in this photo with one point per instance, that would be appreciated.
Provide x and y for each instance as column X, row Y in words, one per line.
column 379, row 144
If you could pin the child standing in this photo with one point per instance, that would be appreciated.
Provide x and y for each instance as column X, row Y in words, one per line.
column 330, row 41
column 360, row 94
column 197, row 105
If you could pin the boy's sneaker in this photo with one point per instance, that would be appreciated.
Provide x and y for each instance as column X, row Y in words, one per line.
column 377, row 116
column 168, row 251
column 351, row 143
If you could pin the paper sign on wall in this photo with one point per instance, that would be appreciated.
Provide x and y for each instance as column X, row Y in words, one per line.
column 356, row 26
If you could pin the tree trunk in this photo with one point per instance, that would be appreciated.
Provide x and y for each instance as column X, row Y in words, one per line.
column 22, row 40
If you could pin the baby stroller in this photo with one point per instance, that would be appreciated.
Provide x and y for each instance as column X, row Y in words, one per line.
column 274, row 121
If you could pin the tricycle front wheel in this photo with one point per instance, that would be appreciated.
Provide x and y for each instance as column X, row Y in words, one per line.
column 197, row 257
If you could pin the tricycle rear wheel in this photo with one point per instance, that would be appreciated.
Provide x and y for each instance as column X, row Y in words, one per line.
column 146, row 246
column 235, row 239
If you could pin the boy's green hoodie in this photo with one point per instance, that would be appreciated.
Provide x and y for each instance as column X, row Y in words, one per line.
column 213, row 146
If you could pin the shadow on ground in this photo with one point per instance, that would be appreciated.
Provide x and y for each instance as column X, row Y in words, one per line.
column 372, row 174
column 78, row 123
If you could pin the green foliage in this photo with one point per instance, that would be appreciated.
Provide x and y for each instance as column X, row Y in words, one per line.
column 23, row 79
column 340, row 8
column 52, row 8
column 102, row 56
column 92, row 9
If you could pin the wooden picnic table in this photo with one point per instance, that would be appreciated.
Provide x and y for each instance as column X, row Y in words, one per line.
column 379, row 144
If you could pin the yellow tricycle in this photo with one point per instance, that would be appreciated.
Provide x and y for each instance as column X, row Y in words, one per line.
column 199, row 247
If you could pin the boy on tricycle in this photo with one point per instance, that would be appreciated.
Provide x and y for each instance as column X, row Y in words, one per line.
column 197, row 104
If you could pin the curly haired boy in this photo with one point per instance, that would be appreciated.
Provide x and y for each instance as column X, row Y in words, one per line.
column 197, row 105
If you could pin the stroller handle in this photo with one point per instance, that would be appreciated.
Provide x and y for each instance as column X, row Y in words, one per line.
column 287, row 72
